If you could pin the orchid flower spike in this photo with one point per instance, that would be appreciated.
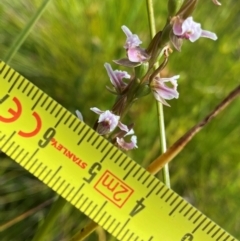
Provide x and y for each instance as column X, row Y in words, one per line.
column 162, row 92
column 127, row 145
column 217, row 2
column 108, row 121
column 188, row 29
column 116, row 77
column 134, row 52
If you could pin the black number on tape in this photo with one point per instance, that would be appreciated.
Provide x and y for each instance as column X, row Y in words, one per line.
column 48, row 135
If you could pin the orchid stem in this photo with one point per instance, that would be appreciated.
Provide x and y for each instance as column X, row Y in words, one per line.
column 163, row 148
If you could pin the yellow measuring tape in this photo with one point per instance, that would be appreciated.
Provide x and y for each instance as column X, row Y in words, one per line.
column 91, row 173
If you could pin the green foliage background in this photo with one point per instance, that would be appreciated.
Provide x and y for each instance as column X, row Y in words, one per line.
column 64, row 55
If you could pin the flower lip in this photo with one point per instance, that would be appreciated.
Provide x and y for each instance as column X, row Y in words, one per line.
column 188, row 29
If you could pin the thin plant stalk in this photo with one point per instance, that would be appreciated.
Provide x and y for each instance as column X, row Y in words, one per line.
column 160, row 112
column 25, row 32
column 50, row 220
column 177, row 147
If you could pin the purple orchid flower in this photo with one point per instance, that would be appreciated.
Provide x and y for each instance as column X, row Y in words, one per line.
column 108, row 121
column 127, row 145
column 134, row 52
column 162, row 92
column 116, row 77
column 188, row 29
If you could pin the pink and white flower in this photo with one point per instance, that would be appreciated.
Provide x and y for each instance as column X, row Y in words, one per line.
column 163, row 92
column 108, row 121
column 134, row 52
column 188, row 29
column 127, row 145
column 116, row 78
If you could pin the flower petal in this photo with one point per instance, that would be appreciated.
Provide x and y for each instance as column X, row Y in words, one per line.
column 208, row 34
column 127, row 145
column 217, row 2
column 79, row 115
column 132, row 39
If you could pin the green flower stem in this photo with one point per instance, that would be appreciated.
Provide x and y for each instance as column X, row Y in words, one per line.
column 165, row 170
column 24, row 33
column 50, row 220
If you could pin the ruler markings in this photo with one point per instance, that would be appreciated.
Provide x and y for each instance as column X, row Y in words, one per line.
column 59, row 111
column 198, row 218
column 100, row 209
column 124, row 159
column 81, row 130
column 14, row 151
column 113, row 231
column 194, row 213
column 125, row 234
column 43, row 170
column 104, row 147
column 163, row 195
column 99, row 221
column 130, row 238
column 26, row 86
column 61, row 184
column 151, row 238
column 44, row 101
column 94, row 208
column 49, row 105
column 33, row 164
column 131, row 169
column 137, row 171
column 186, row 204
column 122, row 228
column 219, row 229
column 81, row 205
column 199, row 225
column 175, row 208
column 136, row 238
column 111, row 224
column 33, row 154
column 227, row 238
column 79, row 189
column 211, row 229
column 118, row 158
column 68, row 118
column 154, row 187
column 87, row 207
column 20, row 85
column 175, row 199
column 9, row 147
column 114, row 153
column 73, row 121
column 79, row 199
column 109, row 217
column 61, row 118
column 9, row 79
column 129, row 162
column 36, row 92
column 2, row 138
column 54, row 108
column 14, row 83
column 84, row 135
column 106, row 154
column 190, row 209
column 2, row 69
column 220, row 235
column 9, row 138
column 141, row 175
column 95, row 140
column 7, row 73
column 76, row 127
column 147, row 177
column 54, row 174
column 160, row 189
column 100, row 143
column 47, row 174
column 90, row 137
column 30, row 91
column 64, row 189
column 70, row 191
column 36, row 103
column 167, row 199
column 206, row 225
column 57, row 181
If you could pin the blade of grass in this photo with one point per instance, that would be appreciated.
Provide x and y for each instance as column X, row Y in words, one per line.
column 25, row 32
